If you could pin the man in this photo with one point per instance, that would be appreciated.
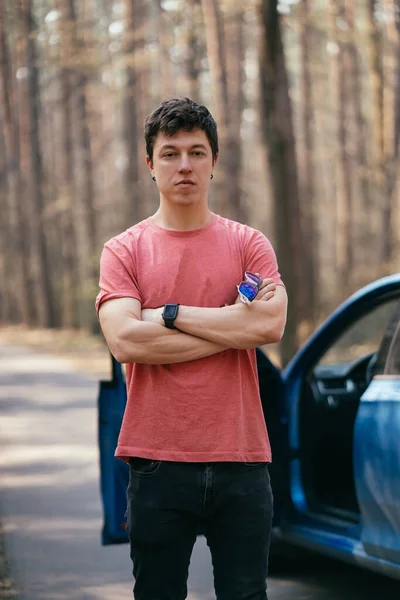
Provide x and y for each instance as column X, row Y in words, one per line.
column 193, row 430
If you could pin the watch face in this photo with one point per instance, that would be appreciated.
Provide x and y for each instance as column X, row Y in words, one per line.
column 170, row 311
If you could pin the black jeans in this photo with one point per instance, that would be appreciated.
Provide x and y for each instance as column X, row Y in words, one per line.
column 170, row 502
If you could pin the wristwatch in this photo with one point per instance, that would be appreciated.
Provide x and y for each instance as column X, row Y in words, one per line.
column 169, row 315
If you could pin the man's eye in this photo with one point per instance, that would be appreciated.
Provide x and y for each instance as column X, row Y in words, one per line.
column 198, row 153
column 169, row 154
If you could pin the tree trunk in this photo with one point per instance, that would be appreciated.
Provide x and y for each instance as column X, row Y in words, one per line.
column 29, row 102
column 278, row 135
column 396, row 186
column 215, row 40
column 132, row 36
column 7, row 301
column 166, row 77
column 364, row 209
column 83, row 209
column 193, row 50
column 17, row 227
column 235, row 79
column 397, row 83
column 67, row 188
column 377, row 89
column 308, row 208
column 344, row 252
column 391, row 115
column 83, row 147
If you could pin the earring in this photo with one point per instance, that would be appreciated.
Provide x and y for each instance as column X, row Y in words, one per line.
column 211, row 176
column 153, row 178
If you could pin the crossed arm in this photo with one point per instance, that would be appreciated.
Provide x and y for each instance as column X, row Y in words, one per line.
column 136, row 335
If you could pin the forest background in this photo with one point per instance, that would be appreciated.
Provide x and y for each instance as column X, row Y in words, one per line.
column 306, row 94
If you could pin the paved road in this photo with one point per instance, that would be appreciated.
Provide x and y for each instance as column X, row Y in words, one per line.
column 51, row 508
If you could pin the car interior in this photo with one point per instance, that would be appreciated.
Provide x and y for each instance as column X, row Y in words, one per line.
column 328, row 407
column 329, row 401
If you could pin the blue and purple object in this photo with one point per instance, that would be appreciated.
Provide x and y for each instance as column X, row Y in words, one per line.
column 248, row 289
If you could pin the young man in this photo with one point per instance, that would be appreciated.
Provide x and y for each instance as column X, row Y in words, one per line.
column 193, row 430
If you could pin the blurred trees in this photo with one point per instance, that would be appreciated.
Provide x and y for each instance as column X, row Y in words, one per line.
column 307, row 158
column 278, row 134
column 307, row 98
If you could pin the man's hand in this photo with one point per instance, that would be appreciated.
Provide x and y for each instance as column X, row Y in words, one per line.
column 266, row 291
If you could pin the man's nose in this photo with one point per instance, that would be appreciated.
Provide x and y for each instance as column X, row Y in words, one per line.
column 184, row 164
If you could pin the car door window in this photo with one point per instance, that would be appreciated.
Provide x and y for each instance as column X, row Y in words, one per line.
column 392, row 364
column 362, row 338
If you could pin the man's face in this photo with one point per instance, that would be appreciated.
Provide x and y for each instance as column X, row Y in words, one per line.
column 182, row 165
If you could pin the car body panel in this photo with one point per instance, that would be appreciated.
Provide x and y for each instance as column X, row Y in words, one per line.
column 377, row 462
column 338, row 546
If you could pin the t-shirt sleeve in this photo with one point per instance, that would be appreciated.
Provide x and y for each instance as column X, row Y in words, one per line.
column 117, row 273
column 260, row 257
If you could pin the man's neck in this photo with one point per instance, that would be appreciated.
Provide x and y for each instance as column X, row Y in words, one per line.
column 183, row 219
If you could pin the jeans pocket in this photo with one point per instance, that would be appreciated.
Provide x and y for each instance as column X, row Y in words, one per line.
column 254, row 465
column 143, row 467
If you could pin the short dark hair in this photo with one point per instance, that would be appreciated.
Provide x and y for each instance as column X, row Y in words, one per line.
column 176, row 114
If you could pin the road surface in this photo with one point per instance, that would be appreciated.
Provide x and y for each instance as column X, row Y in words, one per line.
column 50, row 503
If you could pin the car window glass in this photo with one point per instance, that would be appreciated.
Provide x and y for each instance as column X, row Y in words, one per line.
column 362, row 337
column 392, row 364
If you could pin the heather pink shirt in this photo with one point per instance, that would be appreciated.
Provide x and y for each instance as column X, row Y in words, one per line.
column 203, row 410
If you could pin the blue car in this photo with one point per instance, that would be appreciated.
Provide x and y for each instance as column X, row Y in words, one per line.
column 333, row 416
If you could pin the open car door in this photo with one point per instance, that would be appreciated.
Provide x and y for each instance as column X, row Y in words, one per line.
column 344, row 428
column 114, row 473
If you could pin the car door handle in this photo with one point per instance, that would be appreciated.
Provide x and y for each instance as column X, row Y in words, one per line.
column 326, row 390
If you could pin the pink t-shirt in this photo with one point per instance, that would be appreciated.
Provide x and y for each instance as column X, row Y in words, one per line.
column 203, row 410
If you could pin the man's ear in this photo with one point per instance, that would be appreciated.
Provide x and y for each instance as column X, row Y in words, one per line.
column 215, row 160
column 149, row 163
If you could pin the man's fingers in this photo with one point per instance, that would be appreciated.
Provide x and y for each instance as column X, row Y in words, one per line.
column 266, row 282
column 268, row 296
column 268, row 285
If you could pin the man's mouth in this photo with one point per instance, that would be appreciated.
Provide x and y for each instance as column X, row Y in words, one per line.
column 185, row 182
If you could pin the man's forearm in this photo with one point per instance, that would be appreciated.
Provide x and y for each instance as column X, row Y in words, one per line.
column 237, row 326
column 153, row 344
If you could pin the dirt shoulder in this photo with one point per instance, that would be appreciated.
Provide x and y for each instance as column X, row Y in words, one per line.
column 86, row 352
